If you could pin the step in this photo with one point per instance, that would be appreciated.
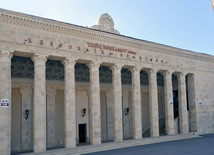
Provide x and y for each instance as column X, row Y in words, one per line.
column 116, row 145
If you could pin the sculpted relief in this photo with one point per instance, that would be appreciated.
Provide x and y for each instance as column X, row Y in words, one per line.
column 105, row 23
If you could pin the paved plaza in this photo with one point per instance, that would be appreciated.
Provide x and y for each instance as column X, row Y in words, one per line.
column 194, row 146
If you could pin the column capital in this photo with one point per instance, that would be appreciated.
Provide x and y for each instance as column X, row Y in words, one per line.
column 108, row 93
column 6, row 53
column 167, row 73
column 151, row 71
column 51, row 91
column 69, row 61
column 180, row 74
column 115, row 67
column 135, row 69
column 39, row 58
column 25, row 90
column 93, row 64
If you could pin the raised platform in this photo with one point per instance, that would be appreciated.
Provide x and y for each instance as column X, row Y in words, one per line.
column 116, row 145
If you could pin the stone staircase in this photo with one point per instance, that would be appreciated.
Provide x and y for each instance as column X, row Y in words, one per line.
column 146, row 129
column 116, row 145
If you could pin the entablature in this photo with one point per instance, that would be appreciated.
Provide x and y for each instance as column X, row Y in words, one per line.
column 95, row 36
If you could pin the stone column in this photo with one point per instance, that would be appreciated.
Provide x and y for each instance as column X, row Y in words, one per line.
column 153, row 103
column 39, row 123
column 136, row 103
column 182, row 104
column 70, row 103
column 169, row 113
column 117, row 102
column 5, row 93
column 51, row 92
column 94, row 104
column 110, row 126
column 26, row 122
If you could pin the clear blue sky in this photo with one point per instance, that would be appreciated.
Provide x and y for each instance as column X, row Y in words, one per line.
column 186, row 24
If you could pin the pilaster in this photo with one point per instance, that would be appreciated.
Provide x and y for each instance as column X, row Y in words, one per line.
column 5, row 93
column 117, row 102
column 94, row 104
column 110, row 123
column 51, row 92
column 26, row 93
column 125, row 105
column 70, row 103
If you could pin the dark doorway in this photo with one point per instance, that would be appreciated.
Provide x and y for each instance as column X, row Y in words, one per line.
column 175, row 102
column 82, row 133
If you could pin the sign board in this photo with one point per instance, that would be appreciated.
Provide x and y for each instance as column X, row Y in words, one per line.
column 4, row 102
column 171, row 102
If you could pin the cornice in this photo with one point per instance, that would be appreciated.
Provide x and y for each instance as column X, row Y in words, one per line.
column 62, row 28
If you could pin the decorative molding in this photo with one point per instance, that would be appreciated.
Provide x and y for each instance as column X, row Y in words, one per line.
column 42, row 24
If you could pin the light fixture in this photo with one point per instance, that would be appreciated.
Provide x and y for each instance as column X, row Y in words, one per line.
column 27, row 113
column 126, row 111
column 83, row 112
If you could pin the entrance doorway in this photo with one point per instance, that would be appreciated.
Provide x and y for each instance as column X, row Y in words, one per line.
column 82, row 133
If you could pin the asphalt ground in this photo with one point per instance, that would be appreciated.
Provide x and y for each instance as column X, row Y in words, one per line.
column 195, row 146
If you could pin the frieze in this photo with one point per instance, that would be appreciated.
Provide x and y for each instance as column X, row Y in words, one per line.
column 103, row 50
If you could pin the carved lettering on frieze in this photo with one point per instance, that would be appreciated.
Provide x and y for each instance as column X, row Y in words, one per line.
column 127, row 55
column 70, row 46
column 124, row 53
column 41, row 42
column 29, row 40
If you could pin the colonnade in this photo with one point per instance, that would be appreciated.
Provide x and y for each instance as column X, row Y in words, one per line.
column 94, row 104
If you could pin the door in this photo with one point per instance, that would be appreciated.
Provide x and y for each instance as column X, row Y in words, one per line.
column 82, row 133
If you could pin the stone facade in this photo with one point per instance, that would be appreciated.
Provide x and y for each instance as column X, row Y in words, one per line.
column 73, row 84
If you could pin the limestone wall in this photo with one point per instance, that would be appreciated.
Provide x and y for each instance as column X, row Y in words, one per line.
column 204, row 82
